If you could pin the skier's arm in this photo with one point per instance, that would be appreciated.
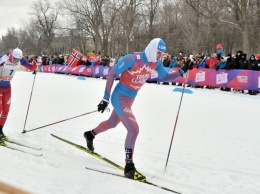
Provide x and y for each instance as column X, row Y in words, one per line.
column 27, row 65
column 110, row 80
column 164, row 74
column 174, row 74
column 3, row 59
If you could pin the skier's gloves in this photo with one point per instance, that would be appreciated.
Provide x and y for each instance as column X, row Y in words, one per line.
column 103, row 105
column 188, row 65
column 182, row 72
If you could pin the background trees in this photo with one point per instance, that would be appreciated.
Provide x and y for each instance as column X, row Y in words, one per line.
column 112, row 27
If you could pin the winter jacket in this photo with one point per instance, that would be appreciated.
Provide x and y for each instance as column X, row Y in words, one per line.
column 252, row 63
column 230, row 63
column 220, row 53
column 221, row 65
column 212, row 62
column 174, row 62
column 242, row 64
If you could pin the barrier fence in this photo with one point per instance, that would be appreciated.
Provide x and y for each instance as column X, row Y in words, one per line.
column 237, row 79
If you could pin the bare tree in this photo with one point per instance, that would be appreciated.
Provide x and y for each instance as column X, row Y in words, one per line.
column 45, row 19
column 219, row 10
column 97, row 17
column 129, row 19
column 170, row 26
column 11, row 40
column 152, row 9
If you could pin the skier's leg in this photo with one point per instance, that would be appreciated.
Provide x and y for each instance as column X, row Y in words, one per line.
column 5, row 99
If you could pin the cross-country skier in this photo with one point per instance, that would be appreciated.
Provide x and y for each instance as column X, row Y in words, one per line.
column 135, row 69
column 8, row 66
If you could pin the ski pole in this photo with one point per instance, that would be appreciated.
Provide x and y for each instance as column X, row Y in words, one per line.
column 29, row 103
column 175, row 124
column 59, row 121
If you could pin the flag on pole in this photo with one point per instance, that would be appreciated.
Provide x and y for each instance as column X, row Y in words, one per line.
column 74, row 58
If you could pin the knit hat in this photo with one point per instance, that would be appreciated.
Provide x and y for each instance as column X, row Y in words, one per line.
column 219, row 46
column 258, row 56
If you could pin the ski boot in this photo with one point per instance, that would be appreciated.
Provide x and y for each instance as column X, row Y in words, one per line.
column 2, row 135
column 2, row 142
column 131, row 173
column 89, row 138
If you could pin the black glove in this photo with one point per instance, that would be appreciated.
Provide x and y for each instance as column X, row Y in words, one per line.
column 188, row 65
column 103, row 105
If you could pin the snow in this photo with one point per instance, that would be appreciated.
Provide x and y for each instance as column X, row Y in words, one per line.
column 215, row 149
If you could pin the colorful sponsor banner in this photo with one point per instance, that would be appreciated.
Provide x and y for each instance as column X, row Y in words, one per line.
column 78, row 70
column 61, row 68
column 237, row 79
column 88, row 71
column 105, row 71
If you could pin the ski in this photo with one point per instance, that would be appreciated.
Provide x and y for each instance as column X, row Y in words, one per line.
column 22, row 144
column 145, row 182
column 98, row 156
column 94, row 154
column 20, row 150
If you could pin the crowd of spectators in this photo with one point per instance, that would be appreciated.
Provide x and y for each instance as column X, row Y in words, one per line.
column 217, row 60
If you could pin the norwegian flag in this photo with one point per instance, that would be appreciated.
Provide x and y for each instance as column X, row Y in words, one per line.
column 74, row 58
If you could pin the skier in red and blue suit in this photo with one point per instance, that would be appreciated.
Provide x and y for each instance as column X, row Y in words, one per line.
column 135, row 69
column 8, row 66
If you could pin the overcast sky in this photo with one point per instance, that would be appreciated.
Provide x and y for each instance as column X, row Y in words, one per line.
column 12, row 12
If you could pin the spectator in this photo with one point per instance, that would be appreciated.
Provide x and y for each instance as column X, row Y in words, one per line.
column 166, row 60
column 242, row 63
column 61, row 60
column 105, row 61
column 180, row 60
column 55, row 60
column 44, row 60
column 112, row 62
column 166, row 63
column 220, row 53
column 221, row 64
column 230, row 62
column 252, row 65
column 229, row 66
column 173, row 62
column 212, row 61
column 50, row 60
column 238, row 57
column 201, row 62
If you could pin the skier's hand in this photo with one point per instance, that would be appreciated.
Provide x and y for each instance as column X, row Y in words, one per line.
column 103, row 105
column 188, row 65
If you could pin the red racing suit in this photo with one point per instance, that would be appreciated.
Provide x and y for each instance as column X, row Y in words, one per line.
column 7, row 71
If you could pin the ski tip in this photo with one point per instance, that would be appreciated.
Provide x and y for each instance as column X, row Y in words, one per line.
column 24, row 131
